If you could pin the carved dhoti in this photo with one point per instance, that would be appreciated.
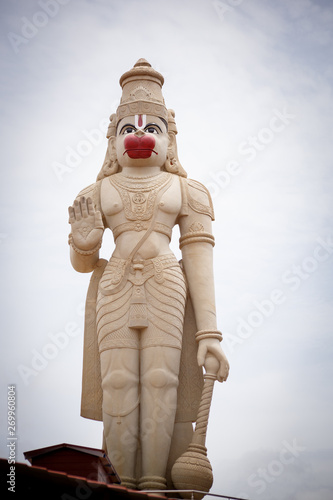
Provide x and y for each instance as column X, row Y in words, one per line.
column 105, row 327
column 144, row 309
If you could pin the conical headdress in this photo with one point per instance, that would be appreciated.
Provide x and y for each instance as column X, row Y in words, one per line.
column 142, row 92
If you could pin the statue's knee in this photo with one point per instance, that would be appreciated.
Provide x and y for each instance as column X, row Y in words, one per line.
column 160, row 378
column 119, row 380
column 120, row 393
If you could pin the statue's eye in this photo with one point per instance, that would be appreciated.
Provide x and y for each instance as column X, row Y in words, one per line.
column 151, row 130
column 129, row 130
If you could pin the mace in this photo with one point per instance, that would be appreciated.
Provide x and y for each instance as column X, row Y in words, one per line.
column 192, row 470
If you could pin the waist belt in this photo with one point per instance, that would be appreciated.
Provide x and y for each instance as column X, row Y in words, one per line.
column 137, row 272
column 141, row 270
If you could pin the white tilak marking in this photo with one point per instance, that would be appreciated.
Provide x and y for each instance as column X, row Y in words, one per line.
column 136, row 121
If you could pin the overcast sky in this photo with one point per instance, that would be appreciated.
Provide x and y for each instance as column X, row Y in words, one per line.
column 251, row 84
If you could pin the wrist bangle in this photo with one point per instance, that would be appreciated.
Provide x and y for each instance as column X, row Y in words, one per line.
column 208, row 334
column 83, row 252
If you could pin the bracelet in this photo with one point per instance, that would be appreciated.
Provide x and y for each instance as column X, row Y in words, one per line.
column 195, row 237
column 83, row 252
column 208, row 334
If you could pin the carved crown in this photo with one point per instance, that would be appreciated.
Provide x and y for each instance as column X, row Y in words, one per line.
column 142, row 91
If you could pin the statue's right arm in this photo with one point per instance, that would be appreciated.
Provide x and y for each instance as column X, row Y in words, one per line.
column 86, row 235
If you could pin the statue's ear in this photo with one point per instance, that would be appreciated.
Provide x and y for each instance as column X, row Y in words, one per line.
column 172, row 163
column 110, row 165
column 112, row 145
column 172, row 146
column 112, row 129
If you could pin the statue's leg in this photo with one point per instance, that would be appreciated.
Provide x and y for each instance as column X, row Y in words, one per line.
column 159, row 369
column 160, row 344
column 120, row 384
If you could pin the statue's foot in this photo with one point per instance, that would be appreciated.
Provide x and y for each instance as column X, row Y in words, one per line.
column 152, row 483
column 128, row 482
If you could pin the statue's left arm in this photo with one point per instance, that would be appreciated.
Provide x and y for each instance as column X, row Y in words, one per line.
column 196, row 243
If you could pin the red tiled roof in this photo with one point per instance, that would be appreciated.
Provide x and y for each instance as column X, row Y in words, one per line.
column 84, row 449
column 73, row 459
column 41, row 484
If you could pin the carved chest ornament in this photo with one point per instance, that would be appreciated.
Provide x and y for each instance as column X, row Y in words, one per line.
column 138, row 194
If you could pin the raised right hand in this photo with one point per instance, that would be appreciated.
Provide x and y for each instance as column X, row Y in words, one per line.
column 87, row 224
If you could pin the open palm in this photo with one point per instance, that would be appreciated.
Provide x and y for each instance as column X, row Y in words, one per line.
column 86, row 222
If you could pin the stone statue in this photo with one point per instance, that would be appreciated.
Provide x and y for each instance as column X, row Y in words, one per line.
column 150, row 322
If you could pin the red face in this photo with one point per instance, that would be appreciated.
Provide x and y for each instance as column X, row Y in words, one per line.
column 141, row 141
column 139, row 147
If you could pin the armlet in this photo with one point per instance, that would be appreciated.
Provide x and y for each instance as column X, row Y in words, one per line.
column 196, row 237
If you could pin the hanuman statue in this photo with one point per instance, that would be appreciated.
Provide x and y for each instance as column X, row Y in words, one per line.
column 150, row 321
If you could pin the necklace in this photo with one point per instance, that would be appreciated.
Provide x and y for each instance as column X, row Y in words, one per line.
column 139, row 176
column 143, row 184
